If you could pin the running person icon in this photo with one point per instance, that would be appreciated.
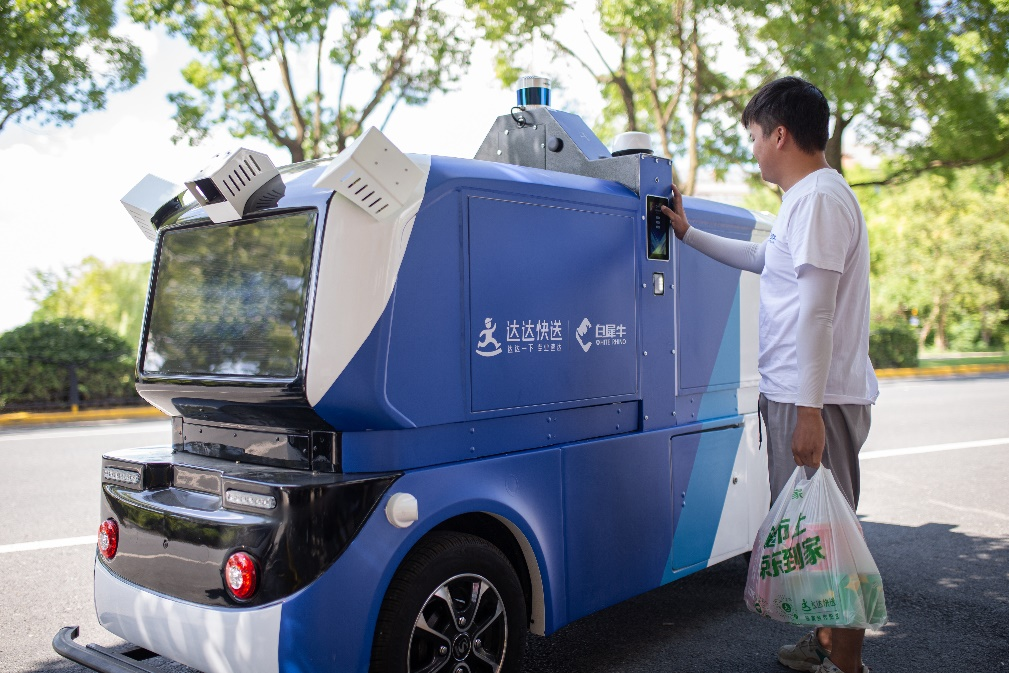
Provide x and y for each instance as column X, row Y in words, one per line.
column 487, row 339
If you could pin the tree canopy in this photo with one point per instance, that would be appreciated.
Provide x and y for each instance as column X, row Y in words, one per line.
column 925, row 83
column 108, row 294
column 940, row 250
column 61, row 59
column 358, row 58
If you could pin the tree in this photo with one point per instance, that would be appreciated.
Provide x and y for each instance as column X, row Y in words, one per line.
column 108, row 294
column 380, row 53
column 923, row 82
column 59, row 60
column 55, row 361
column 660, row 78
column 940, row 246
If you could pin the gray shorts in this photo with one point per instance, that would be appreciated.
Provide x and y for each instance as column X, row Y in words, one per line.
column 846, row 425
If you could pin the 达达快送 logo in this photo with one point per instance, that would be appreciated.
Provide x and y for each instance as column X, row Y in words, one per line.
column 488, row 346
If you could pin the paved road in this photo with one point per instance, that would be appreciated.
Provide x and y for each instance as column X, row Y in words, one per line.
column 936, row 518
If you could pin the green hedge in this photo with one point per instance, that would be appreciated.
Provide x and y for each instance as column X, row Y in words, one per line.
column 35, row 361
column 893, row 345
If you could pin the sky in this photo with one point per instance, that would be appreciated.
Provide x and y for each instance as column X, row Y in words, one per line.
column 60, row 187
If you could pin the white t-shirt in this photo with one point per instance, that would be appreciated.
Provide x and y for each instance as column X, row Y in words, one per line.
column 820, row 223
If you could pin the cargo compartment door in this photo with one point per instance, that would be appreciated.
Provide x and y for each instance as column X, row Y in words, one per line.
column 552, row 305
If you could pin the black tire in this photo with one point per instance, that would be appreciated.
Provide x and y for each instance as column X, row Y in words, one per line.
column 469, row 600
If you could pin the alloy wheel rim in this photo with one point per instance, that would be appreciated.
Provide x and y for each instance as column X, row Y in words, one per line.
column 462, row 628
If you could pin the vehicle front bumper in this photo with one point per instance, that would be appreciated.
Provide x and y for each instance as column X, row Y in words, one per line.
column 207, row 638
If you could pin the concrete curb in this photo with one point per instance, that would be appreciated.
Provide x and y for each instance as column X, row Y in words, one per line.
column 24, row 418
column 934, row 372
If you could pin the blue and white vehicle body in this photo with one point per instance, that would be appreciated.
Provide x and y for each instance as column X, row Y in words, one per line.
column 502, row 351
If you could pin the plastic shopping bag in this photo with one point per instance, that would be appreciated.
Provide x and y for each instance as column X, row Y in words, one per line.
column 810, row 564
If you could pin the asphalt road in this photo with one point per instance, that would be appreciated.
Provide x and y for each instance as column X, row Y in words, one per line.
column 936, row 517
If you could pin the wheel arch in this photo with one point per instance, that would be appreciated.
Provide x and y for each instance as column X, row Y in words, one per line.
column 513, row 543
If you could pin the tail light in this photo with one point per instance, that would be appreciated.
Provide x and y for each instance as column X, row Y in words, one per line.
column 240, row 575
column 108, row 538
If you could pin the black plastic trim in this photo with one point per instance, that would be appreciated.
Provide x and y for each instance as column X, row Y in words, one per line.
column 176, row 534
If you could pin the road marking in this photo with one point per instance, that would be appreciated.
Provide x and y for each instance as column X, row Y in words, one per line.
column 47, row 544
column 93, row 430
column 933, row 448
column 971, row 510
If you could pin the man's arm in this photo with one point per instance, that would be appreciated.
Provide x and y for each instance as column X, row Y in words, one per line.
column 814, row 346
column 737, row 254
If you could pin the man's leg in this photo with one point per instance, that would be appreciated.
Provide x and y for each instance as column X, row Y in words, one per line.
column 847, row 649
column 846, row 427
column 779, row 422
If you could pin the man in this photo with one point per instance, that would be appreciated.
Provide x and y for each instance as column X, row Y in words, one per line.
column 816, row 382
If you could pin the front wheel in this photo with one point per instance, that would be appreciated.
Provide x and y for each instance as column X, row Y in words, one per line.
column 454, row 606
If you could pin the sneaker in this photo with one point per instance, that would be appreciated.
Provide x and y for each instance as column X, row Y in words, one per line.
column 805, row 655
column 827, row 666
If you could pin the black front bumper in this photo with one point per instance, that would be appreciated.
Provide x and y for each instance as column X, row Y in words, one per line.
column 176, row 529
column 98, row 658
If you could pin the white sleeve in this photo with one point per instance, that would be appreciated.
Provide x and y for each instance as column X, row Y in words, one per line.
column 737, row 254
column 814, row 341
column 820, row 230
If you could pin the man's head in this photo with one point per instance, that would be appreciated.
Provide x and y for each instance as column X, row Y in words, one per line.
column 787, row 120
column 794, row 104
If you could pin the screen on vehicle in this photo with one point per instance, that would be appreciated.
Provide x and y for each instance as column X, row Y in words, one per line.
column 230, row 300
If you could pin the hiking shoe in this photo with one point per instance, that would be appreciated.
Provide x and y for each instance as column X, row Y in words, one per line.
column 828, row 667
column 805, row 655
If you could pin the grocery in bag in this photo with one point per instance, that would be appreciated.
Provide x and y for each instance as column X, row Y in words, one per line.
column 810, row 564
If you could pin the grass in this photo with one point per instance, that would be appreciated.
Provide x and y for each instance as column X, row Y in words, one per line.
column 1000, row 359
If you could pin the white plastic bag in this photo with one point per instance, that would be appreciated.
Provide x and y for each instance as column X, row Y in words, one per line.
column 810, row 564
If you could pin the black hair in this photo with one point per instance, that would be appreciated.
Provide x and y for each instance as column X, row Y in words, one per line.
column 795, row 104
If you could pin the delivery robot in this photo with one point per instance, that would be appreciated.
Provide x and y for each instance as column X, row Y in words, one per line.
column 423, row 405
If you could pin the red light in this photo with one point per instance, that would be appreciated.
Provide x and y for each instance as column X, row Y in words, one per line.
column 108, row 538
column 240, row 575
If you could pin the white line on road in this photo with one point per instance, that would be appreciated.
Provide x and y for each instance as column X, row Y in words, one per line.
column 932, row 448
column 93, row 430
column 47, row 544
column 971, row 510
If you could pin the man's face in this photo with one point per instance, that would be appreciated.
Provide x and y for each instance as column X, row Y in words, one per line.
column 763, row 151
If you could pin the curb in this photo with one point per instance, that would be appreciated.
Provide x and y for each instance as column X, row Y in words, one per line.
column 24, row 418
column 933, row 372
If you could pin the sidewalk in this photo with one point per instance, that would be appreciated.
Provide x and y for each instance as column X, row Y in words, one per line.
column 25, row 418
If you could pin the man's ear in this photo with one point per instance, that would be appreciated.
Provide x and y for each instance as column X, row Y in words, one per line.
column 779, row 135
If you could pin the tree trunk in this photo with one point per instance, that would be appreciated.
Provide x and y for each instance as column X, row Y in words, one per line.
column 833, row 151
column 940, row 332
column 695, row 115
column 926, row 327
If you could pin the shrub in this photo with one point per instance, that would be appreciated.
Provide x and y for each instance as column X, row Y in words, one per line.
column 894, row 344
column 35, row 361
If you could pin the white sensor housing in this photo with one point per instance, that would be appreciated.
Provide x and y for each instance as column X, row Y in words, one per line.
column 224, row 187
column 148, row 197
column 373, row 174
column 401, row 510
column 632, row 142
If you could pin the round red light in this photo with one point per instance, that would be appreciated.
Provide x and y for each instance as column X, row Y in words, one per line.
column 108, row 538
column 240, row 575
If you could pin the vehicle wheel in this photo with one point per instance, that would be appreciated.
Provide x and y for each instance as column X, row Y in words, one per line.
column 454, row 606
